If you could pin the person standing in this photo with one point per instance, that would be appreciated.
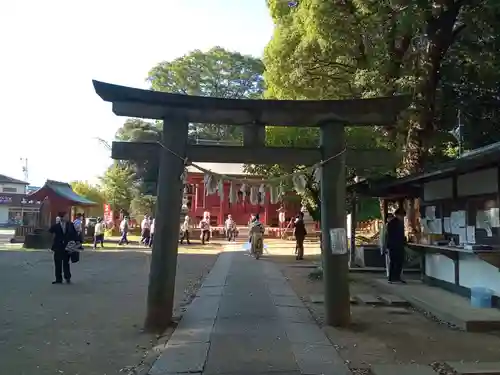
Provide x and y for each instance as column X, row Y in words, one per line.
column 78, row 223
column 145, row 230
column 396, row 242
column 152, row 232
column 230, row 227
column 185, row 227
column 99, row 233
column 300, row 233
column 124, row 225
column 205, row 229
column 64, row 232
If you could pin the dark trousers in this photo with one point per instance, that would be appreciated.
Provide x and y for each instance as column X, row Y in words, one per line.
column 124, row 238
column 98, row 238
column 185, row 236
column 61, row 263
column 205, row 236
column 151, row 238
column 146, row 235
column 396, row 261
column 299, row 247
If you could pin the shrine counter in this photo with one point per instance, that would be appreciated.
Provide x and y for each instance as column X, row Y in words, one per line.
column 458, row 269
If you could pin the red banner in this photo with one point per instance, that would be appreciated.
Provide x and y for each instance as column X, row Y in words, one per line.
column 108, row 214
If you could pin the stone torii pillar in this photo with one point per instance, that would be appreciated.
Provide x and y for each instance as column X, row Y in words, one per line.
column 168, row 209
column 333, row 214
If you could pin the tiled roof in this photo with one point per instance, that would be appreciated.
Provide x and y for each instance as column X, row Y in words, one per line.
column 9, row 180
column 64, row 191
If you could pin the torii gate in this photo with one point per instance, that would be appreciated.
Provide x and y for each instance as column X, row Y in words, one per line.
column 177, row 111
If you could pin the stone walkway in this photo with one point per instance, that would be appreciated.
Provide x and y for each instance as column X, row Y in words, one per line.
column 246, row 319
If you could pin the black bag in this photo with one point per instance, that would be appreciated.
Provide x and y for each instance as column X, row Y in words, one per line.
column 74, row 256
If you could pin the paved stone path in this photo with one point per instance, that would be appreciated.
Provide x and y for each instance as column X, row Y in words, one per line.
column 246, row 319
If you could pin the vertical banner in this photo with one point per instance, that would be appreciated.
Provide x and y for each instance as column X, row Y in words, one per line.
column 108, row 214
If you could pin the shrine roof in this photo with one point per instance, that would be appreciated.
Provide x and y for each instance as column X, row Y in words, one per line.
column 133, row 102
column 61, row 190
column 230, row 169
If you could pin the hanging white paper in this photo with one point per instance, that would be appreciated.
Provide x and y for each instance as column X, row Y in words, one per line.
column 262, row 191
column 243, row 190
column 273, row 194
column 299, row 183
column 338, row 241
column 254, row 199
column 232, row 193
column 220, row 189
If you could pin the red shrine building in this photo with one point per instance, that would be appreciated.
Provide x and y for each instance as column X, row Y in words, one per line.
column 199, row 202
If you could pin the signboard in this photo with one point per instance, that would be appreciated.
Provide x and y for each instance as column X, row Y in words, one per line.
column 338, row 241
column 108, row 214
column 5, row 199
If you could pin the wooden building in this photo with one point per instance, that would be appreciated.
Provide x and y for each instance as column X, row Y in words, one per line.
column 199, row 202
column 61, row 197
column 459, row 202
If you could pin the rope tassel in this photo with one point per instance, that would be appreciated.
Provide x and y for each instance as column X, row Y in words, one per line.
column 232, row 194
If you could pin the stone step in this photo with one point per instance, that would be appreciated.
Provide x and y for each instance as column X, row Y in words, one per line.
column 391, row 299
column 473, row 368
column 320, row 298
column 369, row 299
column 412, row 369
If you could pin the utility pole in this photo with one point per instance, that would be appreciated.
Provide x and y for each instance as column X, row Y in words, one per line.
column 25, row 168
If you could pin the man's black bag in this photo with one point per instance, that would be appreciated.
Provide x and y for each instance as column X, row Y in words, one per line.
column 74, row 256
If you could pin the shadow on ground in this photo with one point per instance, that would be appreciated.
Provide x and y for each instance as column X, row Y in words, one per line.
column 91, row 327
column 380, row 335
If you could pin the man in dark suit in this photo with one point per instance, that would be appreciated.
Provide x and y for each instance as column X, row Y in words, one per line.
column 300, row 233
column 396, row 242
column 64, row 232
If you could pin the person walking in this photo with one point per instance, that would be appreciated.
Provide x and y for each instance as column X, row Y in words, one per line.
column 99, row 233
column 124, row 225
column 152, row 232
column 300, row 233
column 78, row 223
column 185, row 228
column 205, row 229
column 64, row 232
column 145, row 230
column 230, row 228
column 396, row 242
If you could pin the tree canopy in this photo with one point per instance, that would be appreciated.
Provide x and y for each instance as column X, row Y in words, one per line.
column 216, row 73
column 91, row 192
column 118, row 186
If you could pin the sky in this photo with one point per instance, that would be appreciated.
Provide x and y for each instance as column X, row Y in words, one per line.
column 52, row 49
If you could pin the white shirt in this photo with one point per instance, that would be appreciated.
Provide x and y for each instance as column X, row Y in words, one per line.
column 146, row 224
column 153, row 226
column 123, row 224
column 205, row 224
column 99, row 229
column 186, row 224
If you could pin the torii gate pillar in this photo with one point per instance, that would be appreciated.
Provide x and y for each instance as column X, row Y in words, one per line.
column 333, row 213
column 168, row 209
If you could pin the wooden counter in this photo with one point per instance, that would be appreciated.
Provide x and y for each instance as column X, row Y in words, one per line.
column 452, row 252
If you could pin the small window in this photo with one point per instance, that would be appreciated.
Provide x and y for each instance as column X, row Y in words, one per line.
column 9, row 190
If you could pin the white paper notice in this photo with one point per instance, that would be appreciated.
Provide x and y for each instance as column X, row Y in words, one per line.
column 462, row 236
column 494, row 217
column 438, row 226
column 430, row 212
column 483, row 222
column 446, row 225
column 338, row 241
column 471, row 234
column 458, row 222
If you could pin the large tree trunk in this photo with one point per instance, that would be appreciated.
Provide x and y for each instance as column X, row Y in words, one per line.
column 440, row 33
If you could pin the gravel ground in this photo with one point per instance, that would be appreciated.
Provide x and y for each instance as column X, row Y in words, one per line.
column 385, row 335
column 91, row 327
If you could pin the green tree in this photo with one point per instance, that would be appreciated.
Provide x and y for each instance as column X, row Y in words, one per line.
column 143, row 205
column 215, row 73
column 91, row 192
column 145, row 171
column 118, row 186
